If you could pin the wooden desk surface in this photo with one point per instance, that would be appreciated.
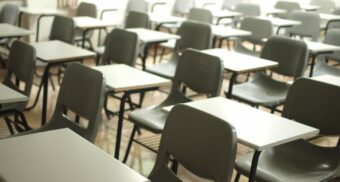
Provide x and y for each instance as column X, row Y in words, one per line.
column 9, row 31
column 59, row 155
column 255, row 128
column 150, row 36
column 85, row 22
column 8, row 95
column 240, row 63
column 120, row 77
column 330, row 79
column 58, row 51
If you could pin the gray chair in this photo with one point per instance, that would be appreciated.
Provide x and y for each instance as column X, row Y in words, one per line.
column 90, row 10
column 62, row 29
column 229, row 4
column 322, row 67
column 335, row 24
column 315, row 104
column 20, row 70
column 137, row 5
column 291, row 56
column 260, row 31
column 9, row 14
column 309, row 27
column 81, row 92
column 288, row 6
column 136, row 19
column 200, row 15
column 248, row 9
column 193, row 35
column 325, row 6
column 202, row 143
column 192, row 65
column 182, row 7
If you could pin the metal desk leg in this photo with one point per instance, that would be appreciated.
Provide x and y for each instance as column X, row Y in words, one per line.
column 84, row 37
column 312, row 65
column 20, row 18
column 231, row 84
column 145, row 55
column 120, row 124
column 254, row 165
column 45, row 94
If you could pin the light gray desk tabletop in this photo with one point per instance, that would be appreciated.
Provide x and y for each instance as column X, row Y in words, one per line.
column 41, row 11
column 59, row 155
column 280, row 22
column 151, row 36
column 319, row 47
column 330, row 79
column 8, row 95
column 55, row 51
column 85, row 22
column 10, row 31
column 160, row 18
column 255, row 128
column 224, row 32
column 240, row 63
column 120, row 77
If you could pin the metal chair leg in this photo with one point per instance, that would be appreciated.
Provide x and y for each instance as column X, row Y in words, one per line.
column 130, row 143
column 174, row 166
column 237, row 177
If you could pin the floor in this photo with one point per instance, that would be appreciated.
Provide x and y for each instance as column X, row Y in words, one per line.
column 141, row 159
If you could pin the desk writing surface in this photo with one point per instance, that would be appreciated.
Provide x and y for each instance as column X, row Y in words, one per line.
column 41, row 11
column 255, row 128
column 120, row 77
column 226, row 14
column 59, row 155
column 54, row 51
column 221, row 31
column 149, row 36
column 240, row 63
column 9, row 31
column 84, row 22
column 165, row 18
column 8, row 95
column 319, row 47
column 329, row 17
column 330, row 79
column 280, row 22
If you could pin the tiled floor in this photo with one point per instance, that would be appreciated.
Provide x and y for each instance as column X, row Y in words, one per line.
column 141, row 159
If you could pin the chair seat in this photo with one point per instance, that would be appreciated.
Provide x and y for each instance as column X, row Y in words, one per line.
column 323, row 68
column 262, row 90
column 166, row 70
column 297, row 161
column 150, row 118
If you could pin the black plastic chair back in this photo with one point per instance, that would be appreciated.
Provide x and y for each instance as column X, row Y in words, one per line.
column 9, row 14
column 137, row 20
column 62, row 29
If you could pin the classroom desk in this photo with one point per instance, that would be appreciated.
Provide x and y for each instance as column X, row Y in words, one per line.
column 129, row 80
column 308, row 7
column 221, row 32
column 255, row 128
column 10, row 31
column 238, row 63
column 318, row 48
column 89, row 23
column 8, row 96
column 41, row 13
column 59, row 155
column 272, row 11
column 224, row 14
column 334, row 80
column 153, row 3
column 281, row 23
column 330, row 18
column 55, row 53
column 160, row 19
column 150, row 37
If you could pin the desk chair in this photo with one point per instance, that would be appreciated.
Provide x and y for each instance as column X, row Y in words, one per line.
column 289, row 6
column 260, row 31
column 322, row 67
column 326, row 6
column 20, row 70
column 203, row 144
column 182, row 7
column 309, row 27
column 229, row 4
column 81, row 92
column 193, row 35
column 335, row 24
column 315, row 104
column 248, row 9
column 192, row 65
column 63, row 30
column 137, row 5
column 85, row 9
column 262, row 89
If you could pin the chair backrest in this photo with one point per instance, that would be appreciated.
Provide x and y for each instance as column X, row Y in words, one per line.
column 203, row 144
column 229, row 4
column 194, row 35
column 136, row 19
column 82, row 92
column 21, row 66
column 335, row 24
column 260, row 29
column 333, row 37
column 289, row 6
column 309, row 27
column 292, row 55
column 121, row 47
column 87, row 9
column 182, row 7
column 326, row 6
column 9, row 14
column 194, row 64
column 200, row 15
column 248, row 9
column 315, row 104
column 137, row 5
column 62, row 29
